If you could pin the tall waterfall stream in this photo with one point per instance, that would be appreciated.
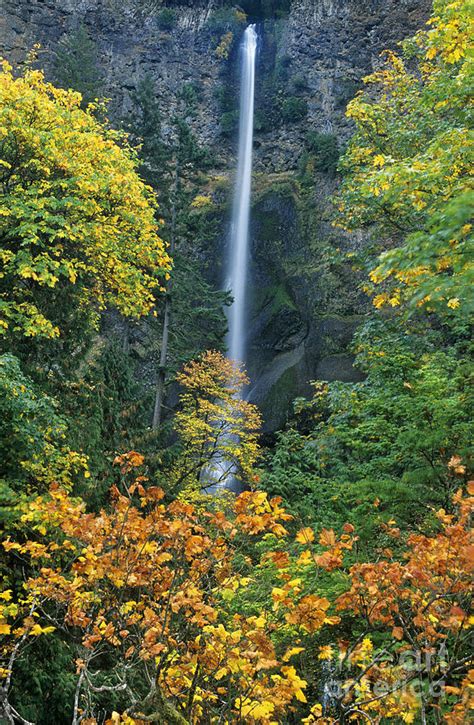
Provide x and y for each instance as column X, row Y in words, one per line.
column 237, row 263
column 239, row 242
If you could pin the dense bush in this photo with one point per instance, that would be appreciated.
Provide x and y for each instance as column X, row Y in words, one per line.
column 325, row 148
column 293, row 109
column 167, row 19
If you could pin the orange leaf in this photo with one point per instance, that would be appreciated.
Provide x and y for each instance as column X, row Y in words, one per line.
column 397, row 632
column 327, row 537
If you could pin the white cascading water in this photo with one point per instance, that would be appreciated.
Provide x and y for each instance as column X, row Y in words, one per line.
column 239, row 242
column 221, row 473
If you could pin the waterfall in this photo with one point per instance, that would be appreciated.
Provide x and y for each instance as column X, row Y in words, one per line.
column 221, row 475
column 239, row 242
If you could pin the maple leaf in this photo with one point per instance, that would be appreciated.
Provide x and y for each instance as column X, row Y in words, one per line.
column 305, row 536
column 327, row 537
column 326, row 652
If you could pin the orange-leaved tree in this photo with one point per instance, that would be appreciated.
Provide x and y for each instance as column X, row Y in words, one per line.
column 410, row 658
column 139, row 589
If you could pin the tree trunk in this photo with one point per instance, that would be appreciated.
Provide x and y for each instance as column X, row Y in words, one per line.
column 160, row 384
column 162, row 710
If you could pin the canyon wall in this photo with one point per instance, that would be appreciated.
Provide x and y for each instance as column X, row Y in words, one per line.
column 305, row 302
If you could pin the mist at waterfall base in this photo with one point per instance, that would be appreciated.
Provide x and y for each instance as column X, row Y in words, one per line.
column 237, row 263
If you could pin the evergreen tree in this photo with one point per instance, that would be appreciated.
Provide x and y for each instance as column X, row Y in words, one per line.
column 77, row 65
column 192, row 320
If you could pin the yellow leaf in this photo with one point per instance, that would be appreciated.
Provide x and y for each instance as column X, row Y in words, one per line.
column 227, row 594
column 305, row 558
column 37, row 629
column 291, row 652
column 317, row 710
column 305, row 536
column 325, row 653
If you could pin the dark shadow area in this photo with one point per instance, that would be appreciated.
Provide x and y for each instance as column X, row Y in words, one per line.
column 263, row 9
column 256, row 10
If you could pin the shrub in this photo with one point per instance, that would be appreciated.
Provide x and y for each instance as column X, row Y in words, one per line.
column 229, row 122
column 190, row 94
column 225, row 19
column 285, row 61
column 325, row 148
column 167, row 19
column 201, row 201
column 299, row 83
column 262, row 122
column 293, row 109
column 225, row 45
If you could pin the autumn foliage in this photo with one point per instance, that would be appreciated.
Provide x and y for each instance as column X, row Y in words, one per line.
column 142, row 589
column 132, row 584
column 425, row 602
column 218, row 428
column 408, row 166
column 145, row 581
column 77, row 223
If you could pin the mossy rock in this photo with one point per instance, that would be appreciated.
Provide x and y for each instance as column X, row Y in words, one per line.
column 338, row 367
column 275, row 402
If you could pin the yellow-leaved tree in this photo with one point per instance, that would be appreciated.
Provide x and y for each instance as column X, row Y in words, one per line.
column 77, row 225
column 408, row 166
column 218, row 429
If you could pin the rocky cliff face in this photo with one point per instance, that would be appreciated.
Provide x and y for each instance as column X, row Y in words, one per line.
column 132, row 41
column 305, row 303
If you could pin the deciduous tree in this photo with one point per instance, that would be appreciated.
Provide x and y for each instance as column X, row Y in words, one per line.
column 217, row 427
column 78, row 229
column 408, row 166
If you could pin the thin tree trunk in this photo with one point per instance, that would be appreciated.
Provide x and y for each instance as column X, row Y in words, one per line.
column 126, row 338
column 160, row 384
column 76, row 714
column 161, row 381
